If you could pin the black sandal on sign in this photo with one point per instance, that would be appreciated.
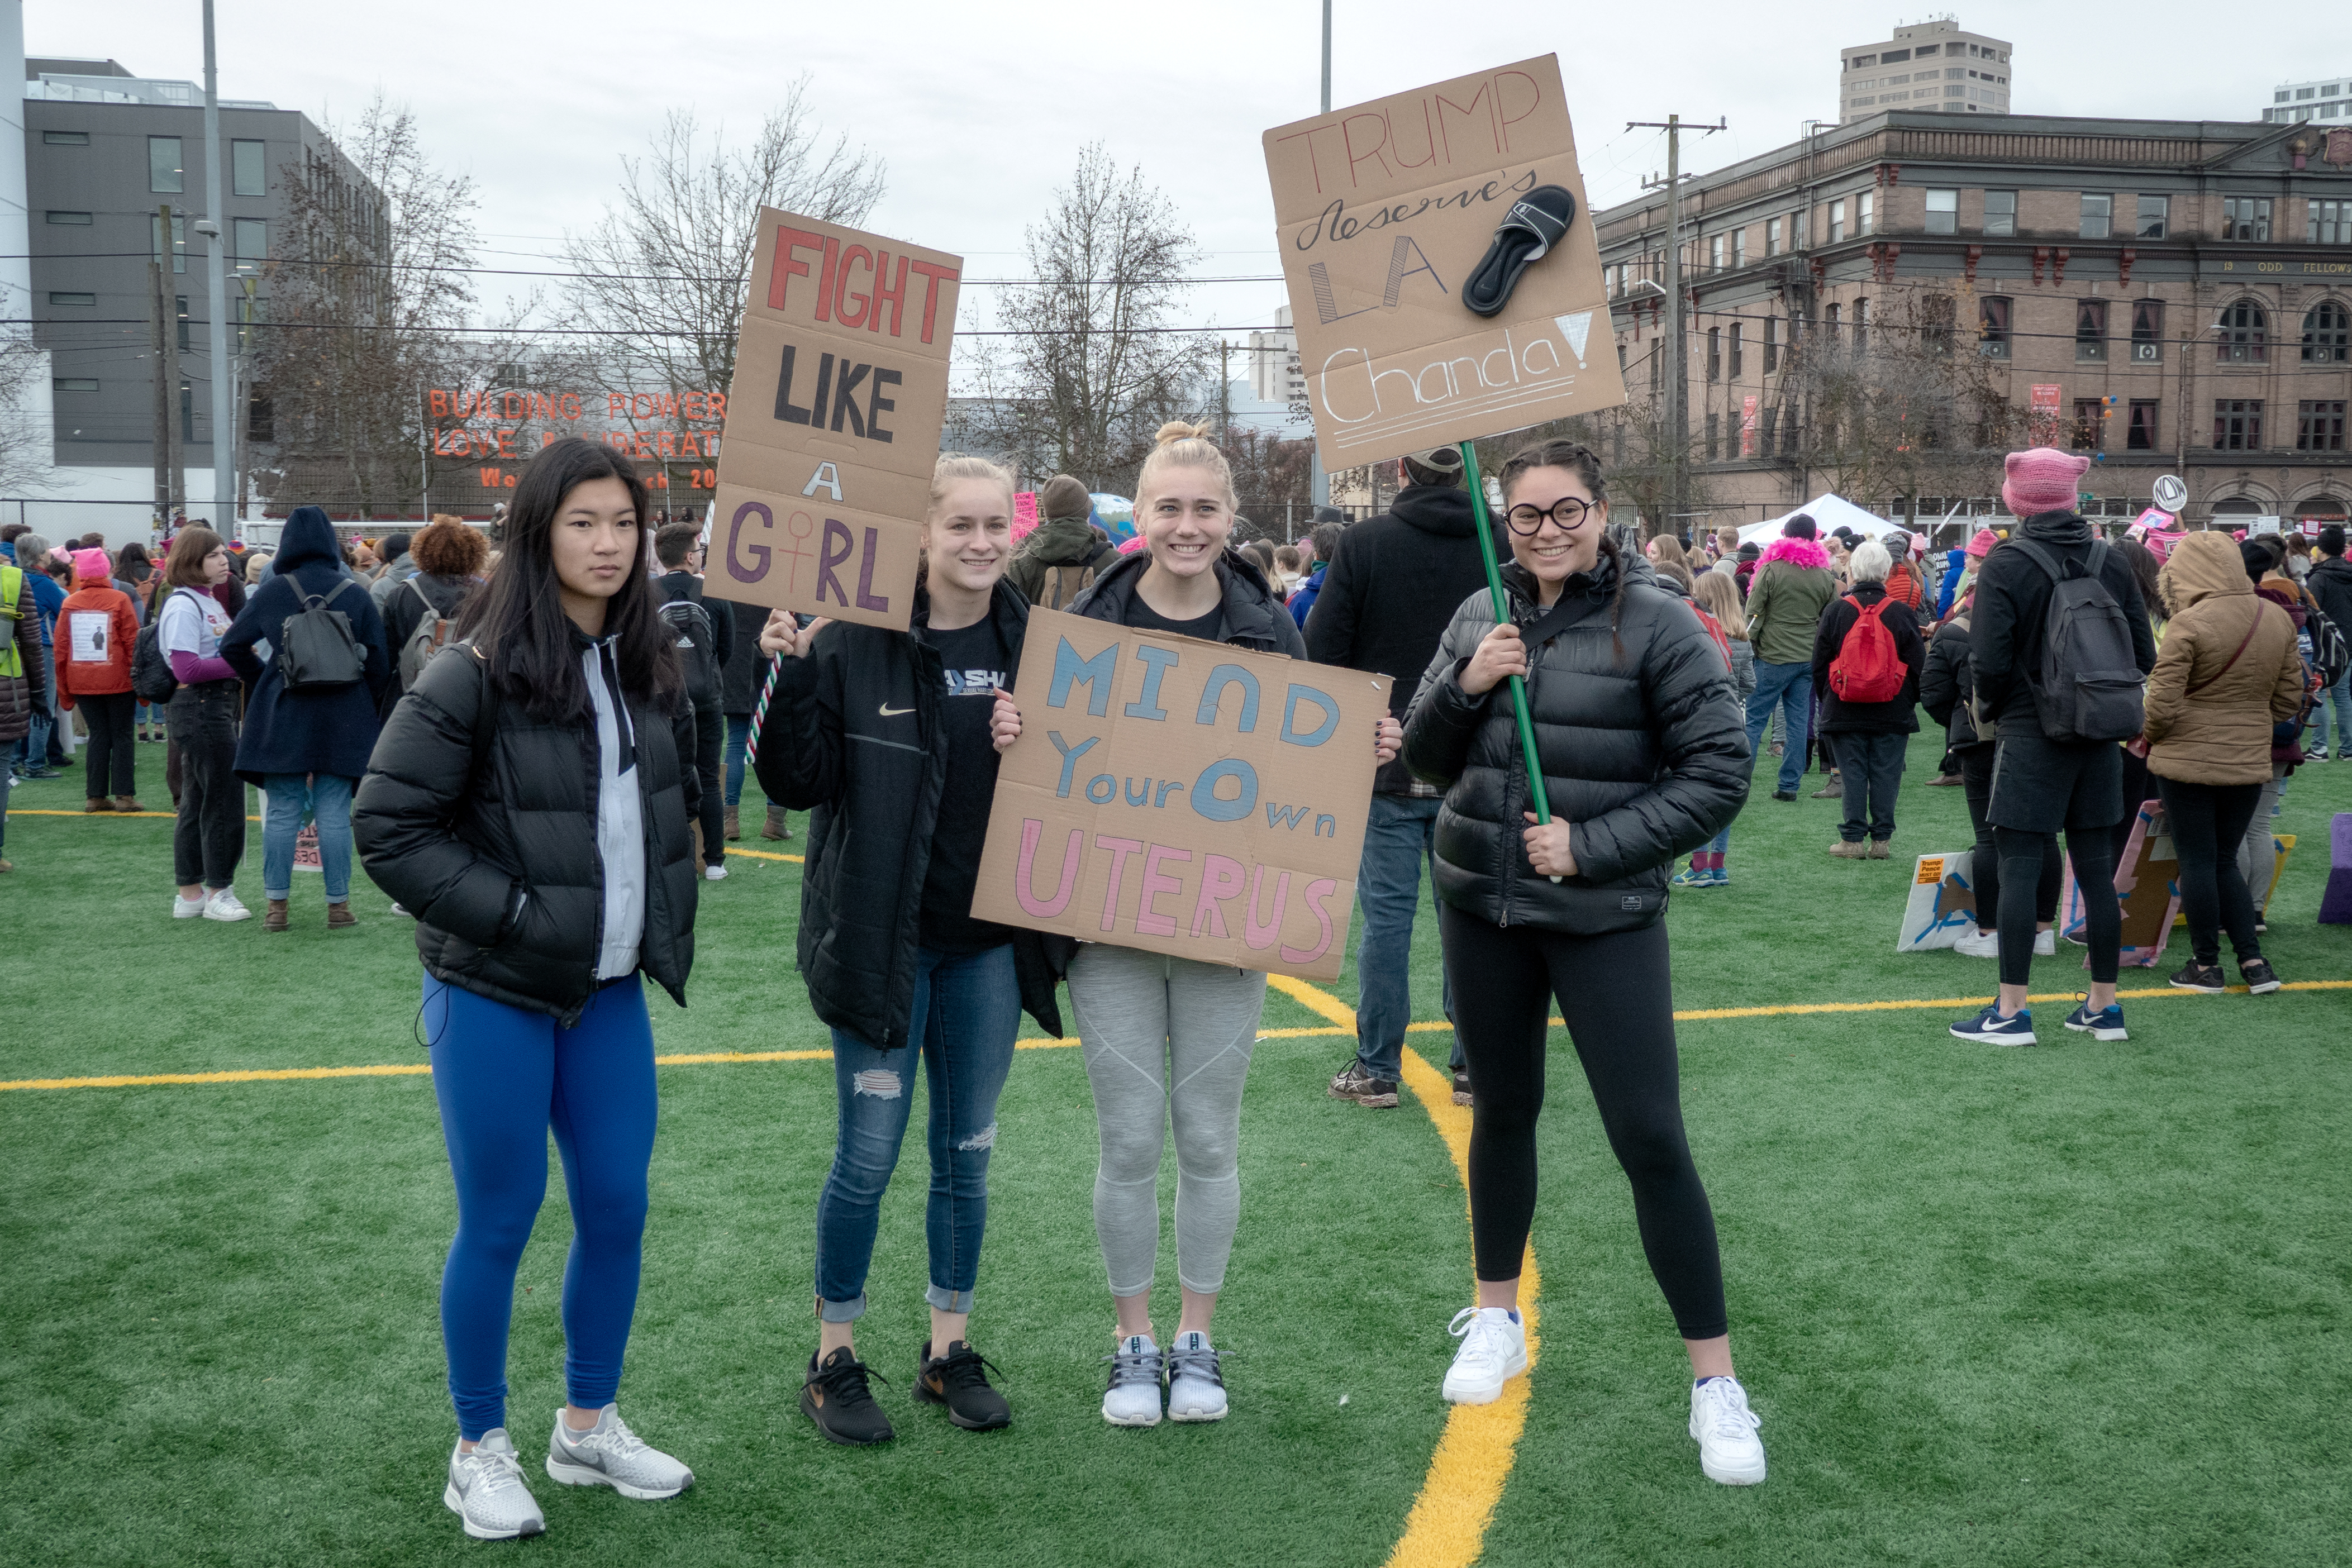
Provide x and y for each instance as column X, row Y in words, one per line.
column 1535, row 224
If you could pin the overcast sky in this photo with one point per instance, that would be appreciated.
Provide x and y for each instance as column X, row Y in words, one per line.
column 980, row 110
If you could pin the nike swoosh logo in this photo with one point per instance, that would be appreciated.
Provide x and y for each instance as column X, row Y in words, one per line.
column 890, row 712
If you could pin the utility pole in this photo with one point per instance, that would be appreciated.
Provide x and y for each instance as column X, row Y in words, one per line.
column 158, row 325
column 168, row 369
column 1678, row 362
column 216, row 288
column 1318, row 482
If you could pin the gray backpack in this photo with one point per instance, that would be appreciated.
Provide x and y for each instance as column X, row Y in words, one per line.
column 317, row 650
column 2090, row 687
column 433, row 634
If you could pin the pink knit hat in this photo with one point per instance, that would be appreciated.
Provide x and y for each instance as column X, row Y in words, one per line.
column 1981, row 546
column 2042, row 480
column 90, row 564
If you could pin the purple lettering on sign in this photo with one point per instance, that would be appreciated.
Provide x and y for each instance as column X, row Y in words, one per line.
column 831, row 553
column 736, row 567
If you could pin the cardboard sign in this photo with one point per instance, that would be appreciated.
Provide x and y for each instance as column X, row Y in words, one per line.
column 2149, row 886
column 1942, row 906
column 1181, row 797
column 832, row 427
column 1383, row 210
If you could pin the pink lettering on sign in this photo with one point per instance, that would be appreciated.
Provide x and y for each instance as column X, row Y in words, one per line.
column 1024, row 887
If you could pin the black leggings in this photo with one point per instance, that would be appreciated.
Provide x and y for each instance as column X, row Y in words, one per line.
column 2209, row 823
column 1984, row 861
column 1616, row 994
column 113, row 748
column 2023, row 854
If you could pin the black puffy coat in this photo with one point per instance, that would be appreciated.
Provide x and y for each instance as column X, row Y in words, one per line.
column 1255, row 615
column 1899, row 714
column 1644, row 747
column 1945, row 688
column 745, row 668
column 849, row 739
column 463, row 807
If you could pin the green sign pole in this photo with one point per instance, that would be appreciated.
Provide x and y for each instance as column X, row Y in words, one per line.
column 1502, row 614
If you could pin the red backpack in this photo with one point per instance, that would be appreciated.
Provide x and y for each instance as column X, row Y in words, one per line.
column 1865, row 669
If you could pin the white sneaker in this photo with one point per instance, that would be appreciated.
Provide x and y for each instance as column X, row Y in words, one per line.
column 224, row 906
column 714, row 873
column 189, row 908
column 609, row 1454
column 2046, row 943
column 1725, row 1429
column 1133, row 1398
column 1494, row 1351
column 486, row 1490
column 1196, row 1381
column 1978, row 945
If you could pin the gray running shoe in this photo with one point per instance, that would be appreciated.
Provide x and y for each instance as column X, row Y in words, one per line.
column 609, row 1454
column 1133, row 1398
column 486, row 1490
column 1196, row 1383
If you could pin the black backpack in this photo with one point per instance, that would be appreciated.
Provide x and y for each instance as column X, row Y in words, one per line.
column 698, row 649
column 2090, row 687
column 152, row 680
column 317, row 650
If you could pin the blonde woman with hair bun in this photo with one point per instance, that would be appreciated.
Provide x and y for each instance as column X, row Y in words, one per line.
column 890, row 739
column 1166, row 1040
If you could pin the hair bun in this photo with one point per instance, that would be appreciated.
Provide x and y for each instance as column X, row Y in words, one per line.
column 1176, row 430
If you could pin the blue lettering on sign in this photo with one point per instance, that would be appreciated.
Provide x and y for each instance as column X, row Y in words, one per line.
column 1070, row 755
column 1100, row 674
column 1157, row 661
column 1216, row 808
column 1290, row 716
column 1109, row 788
column 1283, row 815
column 1220, row 678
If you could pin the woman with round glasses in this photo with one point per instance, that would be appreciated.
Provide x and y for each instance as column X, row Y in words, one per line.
column 1645, row 756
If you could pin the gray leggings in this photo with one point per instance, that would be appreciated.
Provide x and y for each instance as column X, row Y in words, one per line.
column 1166, row 1040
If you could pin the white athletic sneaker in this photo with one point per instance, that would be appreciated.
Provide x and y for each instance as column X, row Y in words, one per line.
column 1725, row 1429
column 609, row 1454
column 2046, row 943
column 486, row 1490
column 224, row 906
column 189, row 908
column 1133, row 1398
column 1978, row 945
column 714, row 873
column 1196, row 1383
column 1494, row 1351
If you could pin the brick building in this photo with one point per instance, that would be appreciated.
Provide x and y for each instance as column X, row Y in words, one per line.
column 2172, row 296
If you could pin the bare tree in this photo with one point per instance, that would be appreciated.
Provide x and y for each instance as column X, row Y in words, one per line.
column 1273, row 476
column 365, row 299
column 669, row 266
column 1092, row 369
column 25, row 435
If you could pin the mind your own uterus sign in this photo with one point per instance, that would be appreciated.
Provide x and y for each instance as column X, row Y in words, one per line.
column 833, row 424
column 1181, row 797
column 1383, row 210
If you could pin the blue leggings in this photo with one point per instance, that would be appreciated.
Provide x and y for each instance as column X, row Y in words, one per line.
column 504, row 1077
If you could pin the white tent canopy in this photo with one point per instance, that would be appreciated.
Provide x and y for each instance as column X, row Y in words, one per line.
column 1830, row 510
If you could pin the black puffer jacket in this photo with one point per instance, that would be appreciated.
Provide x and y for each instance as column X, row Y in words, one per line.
column 469, row 799
column 1255, row 616
column 849, row 739
column 1643, row 746
column 1945, row 688
column 745, row 668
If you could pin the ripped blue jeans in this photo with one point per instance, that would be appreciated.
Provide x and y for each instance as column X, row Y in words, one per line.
column 967, row 1010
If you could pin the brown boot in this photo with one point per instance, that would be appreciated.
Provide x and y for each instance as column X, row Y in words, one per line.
column 128, row 803
column 697, row 826
column 340, row 916
column 776, row 826
column 734, row 823
column 274, row 917
column 97, row 803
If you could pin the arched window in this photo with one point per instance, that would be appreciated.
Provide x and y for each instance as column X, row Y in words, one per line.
column 2327, row 333
column 2243, row 334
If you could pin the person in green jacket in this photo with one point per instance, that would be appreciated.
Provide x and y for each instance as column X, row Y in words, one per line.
column 1063, row 555
column 1793, row 585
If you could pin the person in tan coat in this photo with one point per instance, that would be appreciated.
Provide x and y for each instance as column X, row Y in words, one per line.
column 2226, row 672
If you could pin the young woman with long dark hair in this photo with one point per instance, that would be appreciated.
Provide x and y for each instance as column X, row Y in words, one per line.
column 208, row 839
column 1643, row 757
column 890, row 739
column 527, row 803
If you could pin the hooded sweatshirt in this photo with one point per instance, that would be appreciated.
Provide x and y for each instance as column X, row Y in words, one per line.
column 98, row 619
column 306, row 732
column 2219, row 733
column 1793, row 585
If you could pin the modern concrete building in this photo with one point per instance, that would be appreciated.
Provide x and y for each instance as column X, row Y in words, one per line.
column 2171, row 295
column 104, row 151
column 1931, row 68
column 1274, row 373
column 2329, row 98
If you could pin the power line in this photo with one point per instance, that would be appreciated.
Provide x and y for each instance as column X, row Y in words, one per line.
column 616, row 331
column 661, row 276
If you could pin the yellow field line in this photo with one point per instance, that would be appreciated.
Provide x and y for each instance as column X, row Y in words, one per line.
column 767, row 856
column 1446, row 1526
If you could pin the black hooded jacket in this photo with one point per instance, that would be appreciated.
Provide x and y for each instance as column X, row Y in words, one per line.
column 1391, row 592
column 849, row 739
column 2005, row 640
column 1899, row 714
column 2330, row 587
column 1255, row 616
column 1643, row 743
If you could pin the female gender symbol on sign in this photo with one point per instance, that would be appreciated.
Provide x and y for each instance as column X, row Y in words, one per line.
column 800, row 525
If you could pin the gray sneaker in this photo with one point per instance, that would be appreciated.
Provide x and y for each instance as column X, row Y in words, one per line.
column 1196, row 1382
column 1133, row 1398
column 609, row 1454
column 486, row 1491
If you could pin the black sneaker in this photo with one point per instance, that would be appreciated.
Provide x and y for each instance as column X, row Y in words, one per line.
column 1461, row 1087
column 2259, row 976
column 2195, row 977
column 1784, row 794
column 835, row 1397
column 957, row 1380
column 1356, row 1082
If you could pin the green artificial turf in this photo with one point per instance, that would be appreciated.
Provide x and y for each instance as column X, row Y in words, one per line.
column 2079, row 1303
